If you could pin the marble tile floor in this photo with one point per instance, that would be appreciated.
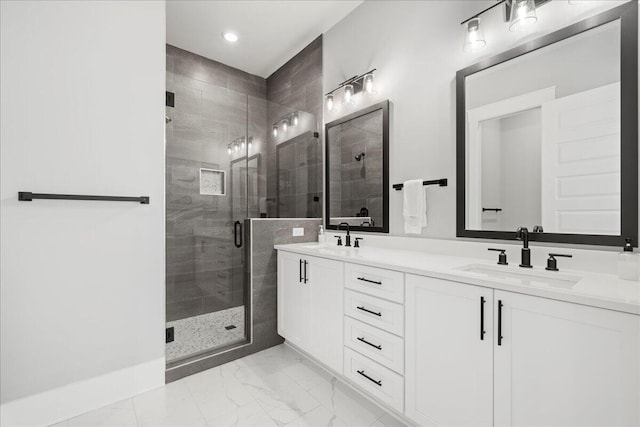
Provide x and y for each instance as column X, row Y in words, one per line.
column 277, row 387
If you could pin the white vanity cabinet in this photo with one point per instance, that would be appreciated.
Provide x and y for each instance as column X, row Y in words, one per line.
column 310, row 309
column 449, row 362
column 564, row 364
column 540, row 362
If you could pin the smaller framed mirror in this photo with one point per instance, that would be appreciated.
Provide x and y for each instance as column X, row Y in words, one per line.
column 357, row 170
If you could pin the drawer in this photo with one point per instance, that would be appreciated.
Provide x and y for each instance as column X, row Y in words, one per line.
column 375, row 281
column 383, row 347
column 380, row 313
column 377, row 380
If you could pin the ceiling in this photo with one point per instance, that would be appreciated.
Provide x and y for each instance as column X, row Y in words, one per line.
column 271, row 32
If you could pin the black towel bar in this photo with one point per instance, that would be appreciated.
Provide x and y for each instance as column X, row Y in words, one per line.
column 441, row 182
column 26, row 196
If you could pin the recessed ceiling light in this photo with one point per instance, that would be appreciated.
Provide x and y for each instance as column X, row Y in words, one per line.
column 230, row 37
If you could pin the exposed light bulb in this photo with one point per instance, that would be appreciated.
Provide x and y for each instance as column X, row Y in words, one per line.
column 275, row 131
column 285, row 125
column 523, row 14
column 229, row 149
column 230, row 36
column 235, row 148
column 474, row 36
column 242, row 145
column 367, row 83
column 250, row 142
column 294, row 119
column 329, row 102
column 348, row 95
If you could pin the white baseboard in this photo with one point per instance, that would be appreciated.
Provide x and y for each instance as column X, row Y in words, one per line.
column 65, row 402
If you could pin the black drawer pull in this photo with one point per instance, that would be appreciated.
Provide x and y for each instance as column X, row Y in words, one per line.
column 379, row 347
column 369, row 311
column 500, row 337
column 369, row 281
column 300, row 277
column 379, row 383
column 482, row 332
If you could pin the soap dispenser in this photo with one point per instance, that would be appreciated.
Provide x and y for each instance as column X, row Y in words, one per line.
column 321, row 236
column 628, row 263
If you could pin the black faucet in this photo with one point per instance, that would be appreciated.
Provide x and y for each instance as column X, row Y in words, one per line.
column 523, row 234
column 347, row 239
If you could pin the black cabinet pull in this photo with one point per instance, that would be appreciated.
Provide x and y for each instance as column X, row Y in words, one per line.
column 300, row 276
column 369, row 311
column 305, row 271
column 369, row 378
column 482, row 332
column 237, row 234
column 369, row 281
column 499, row 322
column 379, row 347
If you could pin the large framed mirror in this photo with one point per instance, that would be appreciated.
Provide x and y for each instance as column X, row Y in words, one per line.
column 357, row 170
column 547, row 136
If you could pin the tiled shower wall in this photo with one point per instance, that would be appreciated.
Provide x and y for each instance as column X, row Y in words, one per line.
column 213, row 105
column 297, row 85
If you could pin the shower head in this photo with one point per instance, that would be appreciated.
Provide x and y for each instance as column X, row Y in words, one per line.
column 360, row 156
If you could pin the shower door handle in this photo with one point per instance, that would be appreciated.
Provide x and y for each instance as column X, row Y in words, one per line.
column 237, row 234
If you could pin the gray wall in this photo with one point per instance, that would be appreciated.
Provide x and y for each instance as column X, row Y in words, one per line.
column 213, row 104
column 416, row 47
column 82, row 290
column 297, row 86
column 511, row 177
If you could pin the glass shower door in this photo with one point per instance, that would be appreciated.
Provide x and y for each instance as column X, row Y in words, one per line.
column 206, row 204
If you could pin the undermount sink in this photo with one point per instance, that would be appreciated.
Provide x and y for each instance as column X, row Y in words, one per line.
column 524, row 277
column 326, row 247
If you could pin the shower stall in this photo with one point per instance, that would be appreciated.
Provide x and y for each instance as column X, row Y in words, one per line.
column 225, row 163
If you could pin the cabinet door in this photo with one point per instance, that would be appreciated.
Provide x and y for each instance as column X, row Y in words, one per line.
column 293, row 300
column 325, row 279
column 449, row 368
column 563, row 364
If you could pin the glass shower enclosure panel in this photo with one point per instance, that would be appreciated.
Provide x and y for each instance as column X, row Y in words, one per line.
column 207, row 192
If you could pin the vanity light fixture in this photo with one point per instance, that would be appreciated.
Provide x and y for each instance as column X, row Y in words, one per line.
column 368, row 83
column 283, row 124
column 474, row 36
column 523, row 14
column 229, row 149
column 519, row 13
column 229, row 36
column 351, row 87
column 329, row 101
column 347, row 98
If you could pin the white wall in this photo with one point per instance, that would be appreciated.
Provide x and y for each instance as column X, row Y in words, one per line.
column 82, row 111
column 416, row 47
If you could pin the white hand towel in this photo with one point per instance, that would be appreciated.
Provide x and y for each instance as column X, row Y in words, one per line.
column 414, row 207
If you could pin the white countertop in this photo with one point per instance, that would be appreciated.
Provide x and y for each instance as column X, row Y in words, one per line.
column 593, row 289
